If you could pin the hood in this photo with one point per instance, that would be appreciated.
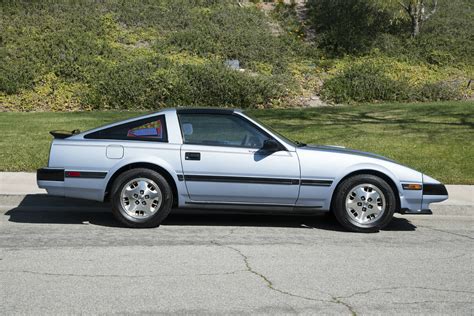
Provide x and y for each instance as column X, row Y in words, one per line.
column 342, row 150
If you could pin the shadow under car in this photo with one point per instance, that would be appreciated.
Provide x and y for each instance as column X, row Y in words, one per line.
column 44, row 209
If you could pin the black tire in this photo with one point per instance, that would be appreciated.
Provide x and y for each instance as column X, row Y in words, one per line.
column 160, row 214
column 345, row 188
column 330, row 215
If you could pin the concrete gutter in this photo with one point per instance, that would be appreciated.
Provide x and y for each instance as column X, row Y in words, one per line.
column 18, row 189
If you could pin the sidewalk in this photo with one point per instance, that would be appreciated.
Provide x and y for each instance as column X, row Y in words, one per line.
column 23, row 183
column 19, row 183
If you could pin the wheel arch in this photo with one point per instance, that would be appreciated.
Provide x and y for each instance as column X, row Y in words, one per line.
column 146, row 165
column 378, row 173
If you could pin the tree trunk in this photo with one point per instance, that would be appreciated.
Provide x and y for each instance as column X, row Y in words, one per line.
column 416, row 9
column 415, row 26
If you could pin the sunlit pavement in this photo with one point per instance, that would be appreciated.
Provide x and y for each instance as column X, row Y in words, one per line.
column 56, row 261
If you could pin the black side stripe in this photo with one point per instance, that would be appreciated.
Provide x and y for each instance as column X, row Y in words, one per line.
column 196, row 178
column 227, row 179
column 85, row 174
column 317, row 183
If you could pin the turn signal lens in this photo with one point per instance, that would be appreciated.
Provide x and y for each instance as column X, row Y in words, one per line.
column 412, row 186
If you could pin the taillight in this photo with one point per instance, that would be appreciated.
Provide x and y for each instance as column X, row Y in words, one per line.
column 73, row 174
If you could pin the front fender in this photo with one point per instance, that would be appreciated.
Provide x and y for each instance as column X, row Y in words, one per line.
column 398, row 174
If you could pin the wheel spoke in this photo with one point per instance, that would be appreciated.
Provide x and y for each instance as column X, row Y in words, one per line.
column 129, row 192
column 352, row 202
column 132, row 207
column 153, row 194
column 142, row 186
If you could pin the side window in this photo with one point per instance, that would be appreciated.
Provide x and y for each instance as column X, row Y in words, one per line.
column 151, row 129
column 220, row 130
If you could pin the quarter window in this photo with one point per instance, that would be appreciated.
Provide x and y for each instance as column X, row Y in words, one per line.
column 151, row 129
column 220, row 130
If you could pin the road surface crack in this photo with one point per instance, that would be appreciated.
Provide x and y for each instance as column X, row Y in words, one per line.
column 446, row 232
column 269, row 284
column 403, row 288
column 117, row 275
column 430, row 302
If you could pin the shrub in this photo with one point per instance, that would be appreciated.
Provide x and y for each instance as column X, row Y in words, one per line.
column 151, row 84
column 439, row 91
column 139, row 83
column 232, row 33
column 347, row 26
column 131, row 55
column 378, row 78
column 216, row 85
column 364, row 83
column 117, row 54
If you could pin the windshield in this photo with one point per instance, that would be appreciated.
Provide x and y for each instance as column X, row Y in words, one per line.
column 284, row 138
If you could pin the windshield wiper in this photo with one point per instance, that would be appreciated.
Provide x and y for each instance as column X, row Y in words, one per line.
column 300, row 144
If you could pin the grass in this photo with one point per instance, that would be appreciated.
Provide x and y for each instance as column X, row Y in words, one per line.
column 435, row 138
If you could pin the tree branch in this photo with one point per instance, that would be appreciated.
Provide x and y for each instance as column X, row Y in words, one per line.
column 407, row 8
column 435, row 8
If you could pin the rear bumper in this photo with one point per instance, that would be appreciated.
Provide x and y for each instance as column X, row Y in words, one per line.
column 51, row 179
column 83, row 184
column 49, row 174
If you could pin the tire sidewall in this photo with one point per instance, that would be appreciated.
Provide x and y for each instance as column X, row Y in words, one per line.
column 161, row 213
column 340, row 201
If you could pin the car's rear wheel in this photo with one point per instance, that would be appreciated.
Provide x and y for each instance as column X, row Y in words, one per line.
column 141, row 198
column 364, row 203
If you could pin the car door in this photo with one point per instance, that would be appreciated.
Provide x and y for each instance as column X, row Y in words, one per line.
column 223, row 162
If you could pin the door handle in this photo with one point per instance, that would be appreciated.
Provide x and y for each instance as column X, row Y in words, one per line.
column 192, row 156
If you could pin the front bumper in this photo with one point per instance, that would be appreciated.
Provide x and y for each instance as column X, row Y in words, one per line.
column 438, row 189
column 431, row 193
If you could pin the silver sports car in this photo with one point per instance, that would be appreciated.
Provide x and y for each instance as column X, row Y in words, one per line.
column 222, row 158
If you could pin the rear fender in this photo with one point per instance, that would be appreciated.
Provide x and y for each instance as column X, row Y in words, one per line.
column 153, row 160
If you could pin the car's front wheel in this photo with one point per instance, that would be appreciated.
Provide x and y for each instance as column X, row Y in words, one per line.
column 364, row 203
column 141, row 198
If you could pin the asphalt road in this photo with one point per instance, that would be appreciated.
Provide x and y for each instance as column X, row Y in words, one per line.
column 57, row 262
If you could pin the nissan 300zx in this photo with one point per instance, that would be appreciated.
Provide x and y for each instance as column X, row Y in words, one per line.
column 222, row 158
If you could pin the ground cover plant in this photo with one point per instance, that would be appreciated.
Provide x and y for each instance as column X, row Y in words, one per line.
column 136, row 55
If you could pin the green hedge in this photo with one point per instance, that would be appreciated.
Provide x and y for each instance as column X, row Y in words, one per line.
column 375, row 79
column 155, row 85
column 118, row 54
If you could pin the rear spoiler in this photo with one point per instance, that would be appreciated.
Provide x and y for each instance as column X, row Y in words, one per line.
column 64, row 134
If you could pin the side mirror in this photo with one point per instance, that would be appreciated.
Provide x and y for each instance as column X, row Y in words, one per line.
column 271, row 145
